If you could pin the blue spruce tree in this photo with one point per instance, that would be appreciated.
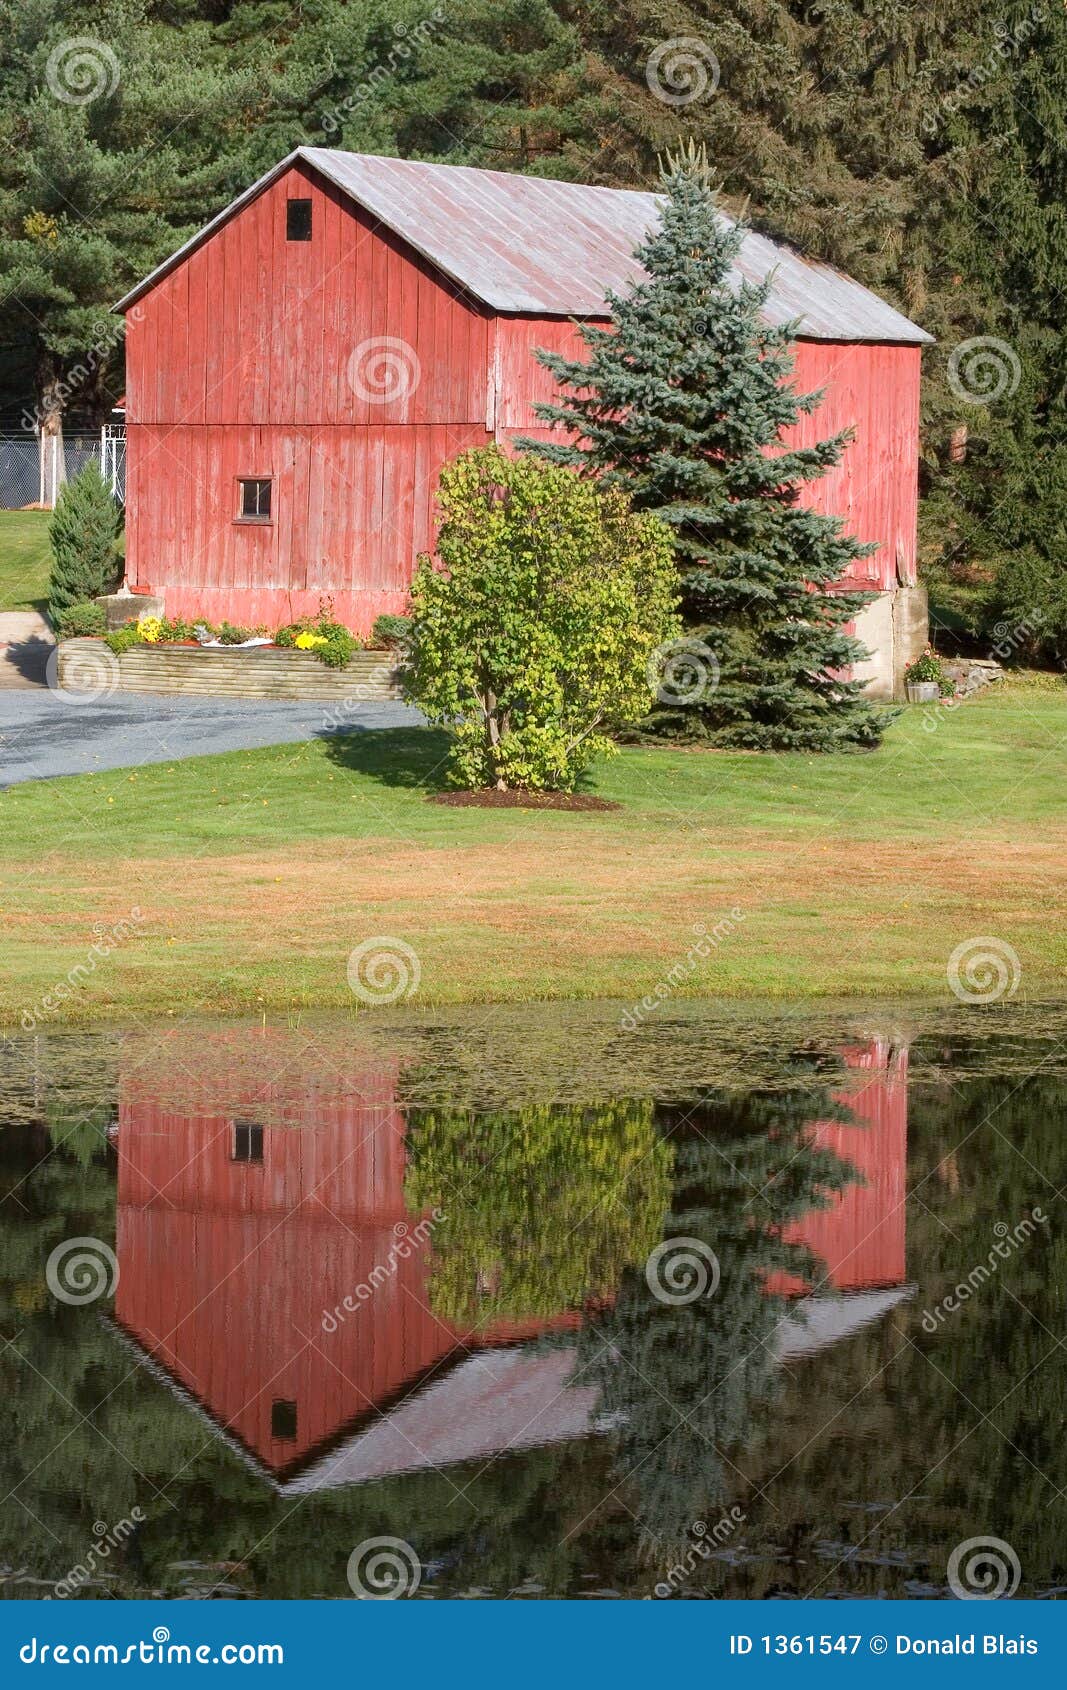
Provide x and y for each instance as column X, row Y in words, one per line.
column 683, row 404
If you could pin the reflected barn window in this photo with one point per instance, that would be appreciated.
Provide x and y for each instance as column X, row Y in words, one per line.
column 282, row 1418
column 247, row 1141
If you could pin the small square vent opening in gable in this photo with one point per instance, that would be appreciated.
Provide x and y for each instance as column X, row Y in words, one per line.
column 298, row 220
column 282, row 1419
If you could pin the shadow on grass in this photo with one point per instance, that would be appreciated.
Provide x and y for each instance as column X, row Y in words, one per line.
column 412, row 757
column 406, row 757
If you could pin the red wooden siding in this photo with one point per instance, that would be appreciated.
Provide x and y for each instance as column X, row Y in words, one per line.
column 226, row 1268
column 873, row 389
column 352, row 507
column 252, row 328
column 860, row 1237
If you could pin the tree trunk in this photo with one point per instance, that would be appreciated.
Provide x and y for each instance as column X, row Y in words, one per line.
column 492, row 733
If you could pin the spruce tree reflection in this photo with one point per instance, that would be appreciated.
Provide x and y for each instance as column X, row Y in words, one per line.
column 686, row 1382
column 552, row 1208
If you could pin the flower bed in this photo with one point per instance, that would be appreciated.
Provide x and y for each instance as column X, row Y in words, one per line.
column 265, row 671
column 314, row 658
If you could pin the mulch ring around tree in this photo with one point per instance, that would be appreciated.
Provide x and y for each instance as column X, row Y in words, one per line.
column 490, row 799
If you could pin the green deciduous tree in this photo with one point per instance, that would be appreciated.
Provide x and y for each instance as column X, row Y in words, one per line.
column 682, row 406
column 534, row 630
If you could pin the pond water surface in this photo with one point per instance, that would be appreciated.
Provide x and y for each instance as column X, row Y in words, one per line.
column 723, row 1306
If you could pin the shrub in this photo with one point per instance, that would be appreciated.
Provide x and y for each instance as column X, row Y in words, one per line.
column 391, row 631
column 84, row 533
column 534, row 633
column 81, row 619
column 331, row 642
column 337, row 647
column 177, row 628
column 121, row 639
column 230, row 633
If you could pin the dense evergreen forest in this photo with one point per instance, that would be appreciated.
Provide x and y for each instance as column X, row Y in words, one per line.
column 920, row 146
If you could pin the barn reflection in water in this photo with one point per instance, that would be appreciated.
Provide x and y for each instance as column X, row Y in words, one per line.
column 241, row 1234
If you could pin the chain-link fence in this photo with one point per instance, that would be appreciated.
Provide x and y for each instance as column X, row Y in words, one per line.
column 31, row 468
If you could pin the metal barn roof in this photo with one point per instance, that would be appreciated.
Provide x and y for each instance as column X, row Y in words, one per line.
column 528, row 245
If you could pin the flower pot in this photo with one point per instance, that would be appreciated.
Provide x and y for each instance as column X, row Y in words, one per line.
column 923, row 692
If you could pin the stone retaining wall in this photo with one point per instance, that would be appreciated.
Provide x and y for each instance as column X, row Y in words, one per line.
column 221, row 671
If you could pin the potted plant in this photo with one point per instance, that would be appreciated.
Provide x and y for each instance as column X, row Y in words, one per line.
column 925, row 679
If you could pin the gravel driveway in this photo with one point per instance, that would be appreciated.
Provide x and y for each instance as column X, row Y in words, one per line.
column 44, row 733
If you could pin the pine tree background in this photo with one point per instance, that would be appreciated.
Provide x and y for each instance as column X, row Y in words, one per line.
column 920, row 146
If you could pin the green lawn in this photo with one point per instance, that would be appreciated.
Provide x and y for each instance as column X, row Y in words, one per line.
column 24, row 559
column 247, row 879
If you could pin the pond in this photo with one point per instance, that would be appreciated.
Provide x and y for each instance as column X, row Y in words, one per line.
column 534, row 1302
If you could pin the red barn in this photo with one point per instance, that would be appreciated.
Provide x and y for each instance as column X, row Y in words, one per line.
column 300, row 370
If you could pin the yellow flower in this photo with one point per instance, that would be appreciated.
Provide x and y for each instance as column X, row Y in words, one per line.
column 149, row 628
column 308, row 642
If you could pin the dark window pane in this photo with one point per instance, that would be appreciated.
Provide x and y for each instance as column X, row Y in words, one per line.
column 298, row 220
column 255, row 500
column 247, row 1141
column 282, row 1419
